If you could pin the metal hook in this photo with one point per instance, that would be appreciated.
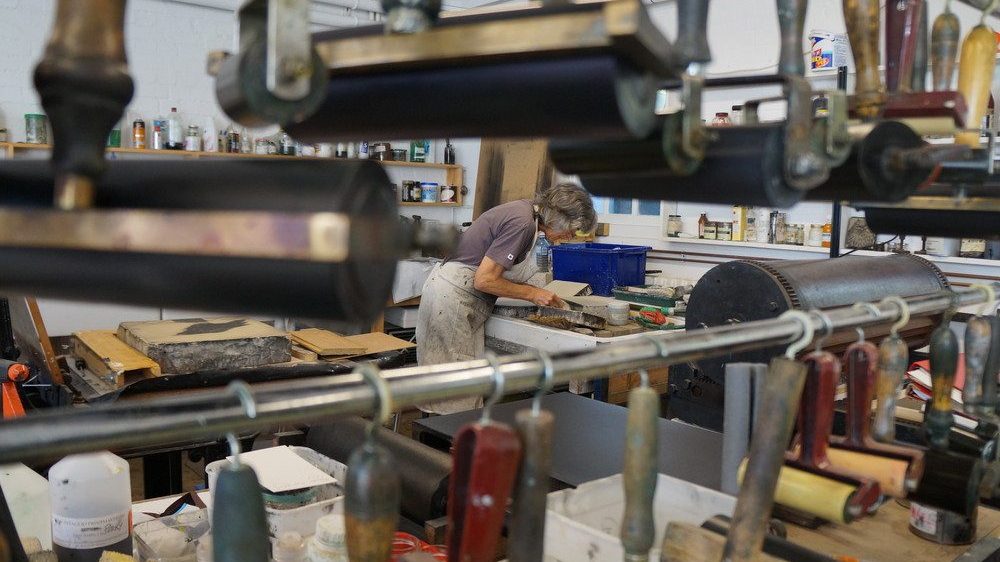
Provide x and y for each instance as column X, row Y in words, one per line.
column 807, row 332
column 827, row 328
column 871, row 309
column 546, row 386
column 497, row 393
column 904, row 313
column 991, row 296
column 249, row 405
column 661, row 346
column 383, row 399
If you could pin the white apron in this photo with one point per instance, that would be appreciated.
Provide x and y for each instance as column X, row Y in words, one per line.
column 452, row 319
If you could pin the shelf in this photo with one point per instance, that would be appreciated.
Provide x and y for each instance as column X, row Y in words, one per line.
column 456, row 204
column 742, row 244
column 15, row 146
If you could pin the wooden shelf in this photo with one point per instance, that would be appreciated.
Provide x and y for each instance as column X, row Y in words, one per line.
column 455, row 204
column 11, row 147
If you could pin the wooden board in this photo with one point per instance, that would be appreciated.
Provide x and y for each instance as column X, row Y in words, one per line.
column 303, row 354
column 886, row 536
column 379, row 343
column 511, row 170
column 620, row 385
column 197, row 344
column 326, row 343
column 109, row 357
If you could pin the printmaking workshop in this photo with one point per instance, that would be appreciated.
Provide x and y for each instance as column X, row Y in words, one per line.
column 487, row 280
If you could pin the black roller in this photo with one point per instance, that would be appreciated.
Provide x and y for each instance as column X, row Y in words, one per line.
column 352, row 290
column 581, row 96
column 424, row 471
column 747, row 290
column 867, row 174
column 742, row 165
column 957, row 223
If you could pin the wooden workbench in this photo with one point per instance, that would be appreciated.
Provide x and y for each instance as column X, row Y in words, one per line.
column 886, row 537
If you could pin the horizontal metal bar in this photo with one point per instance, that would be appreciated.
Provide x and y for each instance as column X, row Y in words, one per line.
column 44, row 437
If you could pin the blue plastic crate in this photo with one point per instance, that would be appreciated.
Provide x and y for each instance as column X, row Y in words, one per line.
column 603, row 266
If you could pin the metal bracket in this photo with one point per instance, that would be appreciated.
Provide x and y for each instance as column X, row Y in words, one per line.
column 289, row 49
column 685, row 136
column 837, row 138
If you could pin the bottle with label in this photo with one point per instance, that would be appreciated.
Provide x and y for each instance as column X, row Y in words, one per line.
column 27, row 494
column 246, row 142
column 329, row 544
column 91, row 506
column 158, row 138
column 419, row 150
column 192, row 140
column 736, row 114
column 175, row 130
column 702, row 223
column 449, row 152
column 341, row 150
column 721, row 120
column 739, row 222
column 210, row 137
column 827, row 231
column 138, row 134
column 114, row 137
column 363, row 150
column 542, row 255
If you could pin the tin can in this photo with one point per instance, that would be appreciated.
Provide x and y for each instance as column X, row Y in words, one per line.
column 138, row 134
column 115, row 138
column 406, row 192
column 158, row 140
column 35, row 128
column 430, row 192
column 363, row 150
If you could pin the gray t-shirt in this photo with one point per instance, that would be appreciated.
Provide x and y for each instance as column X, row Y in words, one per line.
column 504, row 234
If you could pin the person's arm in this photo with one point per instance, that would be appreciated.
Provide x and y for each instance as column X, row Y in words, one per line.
column 489, row 279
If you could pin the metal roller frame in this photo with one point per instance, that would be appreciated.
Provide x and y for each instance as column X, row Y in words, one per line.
column 45, row 437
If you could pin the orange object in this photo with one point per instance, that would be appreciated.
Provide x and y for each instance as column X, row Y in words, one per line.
column 12, row 407
column 827, row 233
column 18, row 372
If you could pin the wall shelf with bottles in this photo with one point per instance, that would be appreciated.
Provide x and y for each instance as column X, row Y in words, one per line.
column 452, row 172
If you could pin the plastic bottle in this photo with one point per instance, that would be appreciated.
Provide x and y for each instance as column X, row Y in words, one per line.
column 329, row 544
column 290, row 547
column 27, row 494
column 175, row 130
column 542, row 253
column 827, row 232
column 91, row 506
column 210, row 136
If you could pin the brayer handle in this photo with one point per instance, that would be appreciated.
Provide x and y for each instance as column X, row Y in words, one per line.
column 815, row 418
column 893, row 360
column 978, row 337
column 944, row 361
column 640, row 472
column 944, row 49
column 861, row 359
column 239, row 525
column 371, row 503
column 527, row 527
column 692, row 33
column 990, row 397
column 782, row 393
column 862, row 19
column 791, row 21
column 975, row 73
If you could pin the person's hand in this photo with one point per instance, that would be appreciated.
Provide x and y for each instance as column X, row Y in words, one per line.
column 547, row 298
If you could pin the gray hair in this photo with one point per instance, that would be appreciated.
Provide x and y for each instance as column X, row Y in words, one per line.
column 566, row 206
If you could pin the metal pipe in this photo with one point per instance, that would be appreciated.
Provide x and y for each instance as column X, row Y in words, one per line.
column 47, row 436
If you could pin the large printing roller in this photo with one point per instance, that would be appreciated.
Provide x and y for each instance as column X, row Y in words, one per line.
column 740, row 291
column 424, row 471
column 51, row 253
column 585, row 70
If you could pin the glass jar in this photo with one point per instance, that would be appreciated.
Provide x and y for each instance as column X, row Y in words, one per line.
column 815, row 236
column 724, row 231
column 674, row 226
column 721, row 120
column 711, row 230
column 777, row 228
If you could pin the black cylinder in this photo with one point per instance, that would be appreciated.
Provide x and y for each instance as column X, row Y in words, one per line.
column 355, row 289
column 867, row 175
column 747, row 290
column 742, row 165
column 953, row 223
column 582, row 96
